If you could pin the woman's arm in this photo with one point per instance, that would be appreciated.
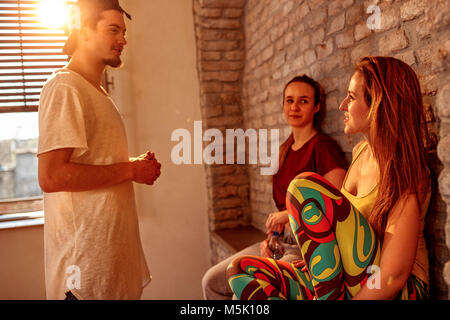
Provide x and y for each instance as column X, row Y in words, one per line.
column 330, row 162
column 398, row 251
column 336, row 177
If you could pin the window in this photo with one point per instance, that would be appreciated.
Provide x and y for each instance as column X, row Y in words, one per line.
column 32, row 35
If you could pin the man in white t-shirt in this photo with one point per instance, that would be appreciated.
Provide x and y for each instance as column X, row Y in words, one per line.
column 92, row 244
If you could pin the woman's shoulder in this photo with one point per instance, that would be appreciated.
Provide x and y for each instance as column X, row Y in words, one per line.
column 357, row 148
column 321, row 139
column 328, row 154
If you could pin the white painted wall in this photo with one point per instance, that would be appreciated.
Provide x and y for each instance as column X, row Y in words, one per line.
column 22, row 263
column 157, row 92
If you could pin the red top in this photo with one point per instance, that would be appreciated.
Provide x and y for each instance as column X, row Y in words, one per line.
column 320, row 154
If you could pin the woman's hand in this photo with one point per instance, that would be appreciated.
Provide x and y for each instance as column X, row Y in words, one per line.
column 264, row 249
column 300, row 264
column 276, row 221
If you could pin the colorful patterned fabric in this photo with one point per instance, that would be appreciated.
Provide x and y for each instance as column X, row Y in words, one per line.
column 257, row 278
column 320, row 154
column 338, row 245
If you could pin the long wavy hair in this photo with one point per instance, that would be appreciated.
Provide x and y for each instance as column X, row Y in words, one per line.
column 319, row 99
column 398, row 132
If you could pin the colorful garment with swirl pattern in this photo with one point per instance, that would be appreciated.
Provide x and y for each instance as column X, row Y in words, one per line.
column 340, row 248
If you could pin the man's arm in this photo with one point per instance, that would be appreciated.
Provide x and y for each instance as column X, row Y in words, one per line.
column 57, row 173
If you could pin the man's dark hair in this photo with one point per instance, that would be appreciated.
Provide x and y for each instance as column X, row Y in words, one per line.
column 91, row 13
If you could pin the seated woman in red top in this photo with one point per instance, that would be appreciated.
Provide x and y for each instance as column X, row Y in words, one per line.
column 306, row 149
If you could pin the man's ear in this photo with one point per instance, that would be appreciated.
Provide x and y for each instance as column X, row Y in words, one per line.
column 83, row 34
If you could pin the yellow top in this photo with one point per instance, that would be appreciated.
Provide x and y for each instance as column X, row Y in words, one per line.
column 365, row 205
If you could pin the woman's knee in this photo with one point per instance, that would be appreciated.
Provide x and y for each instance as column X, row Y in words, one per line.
column 233, row 267
column 304, row 189
column 214, row 283
column 237, row 266
column 306, row 175
column 311, row 181
column 208, row 278
column 214, row 275
column 304, row 179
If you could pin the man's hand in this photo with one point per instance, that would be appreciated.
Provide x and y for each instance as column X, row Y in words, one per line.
column 146, row 156
column 146, row 169
column 149, row 155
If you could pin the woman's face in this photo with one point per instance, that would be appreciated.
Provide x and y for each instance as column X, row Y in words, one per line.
column 298, row 105
column 355, row 108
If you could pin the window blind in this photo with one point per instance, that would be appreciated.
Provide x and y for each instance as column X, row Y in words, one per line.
column 29, row 53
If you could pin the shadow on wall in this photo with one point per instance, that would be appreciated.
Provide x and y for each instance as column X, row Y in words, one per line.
column 438, row 252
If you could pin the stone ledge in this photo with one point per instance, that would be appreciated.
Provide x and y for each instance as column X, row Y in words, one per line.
column 227, row 242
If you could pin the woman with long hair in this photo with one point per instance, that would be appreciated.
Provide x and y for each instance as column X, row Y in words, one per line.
column 306, row 149
column 365, row 241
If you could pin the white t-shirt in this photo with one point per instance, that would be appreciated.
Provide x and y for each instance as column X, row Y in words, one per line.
column 92, row 242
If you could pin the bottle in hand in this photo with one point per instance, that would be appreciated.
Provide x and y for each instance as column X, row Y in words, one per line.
column 275, row 246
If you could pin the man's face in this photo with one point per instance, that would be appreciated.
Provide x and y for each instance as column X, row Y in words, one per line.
column 108, row 40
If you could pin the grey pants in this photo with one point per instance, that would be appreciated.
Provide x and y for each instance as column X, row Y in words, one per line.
column 214, row 283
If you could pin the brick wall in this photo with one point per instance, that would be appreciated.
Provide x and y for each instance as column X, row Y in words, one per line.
column 220, row 53
column 279, row 39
